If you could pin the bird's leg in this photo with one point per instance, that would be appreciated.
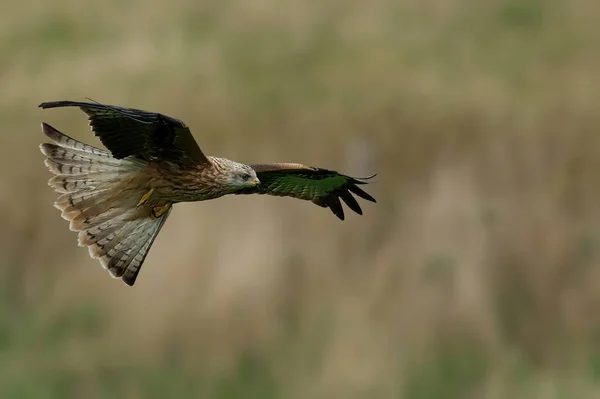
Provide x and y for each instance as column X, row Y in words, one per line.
column 145, row 198
column 158, row 211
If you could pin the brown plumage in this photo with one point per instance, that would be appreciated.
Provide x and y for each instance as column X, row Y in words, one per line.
column 118, row 200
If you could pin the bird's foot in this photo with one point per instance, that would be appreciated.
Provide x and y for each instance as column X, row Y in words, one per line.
column 158, row 211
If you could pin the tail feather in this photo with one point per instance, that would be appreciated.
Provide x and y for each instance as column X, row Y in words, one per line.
column 78, row 200
column 90, row 203
column 100, row 228
column 127, row 263
column 71, row 168
column 109, row 222
column 76, row 183
column 122, row 248
column 75, row 157
column 92, row 215
column 68, row 142
column 115, row 235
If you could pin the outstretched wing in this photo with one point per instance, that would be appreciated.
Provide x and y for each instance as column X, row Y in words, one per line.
column 321, row 186
column 132, row 132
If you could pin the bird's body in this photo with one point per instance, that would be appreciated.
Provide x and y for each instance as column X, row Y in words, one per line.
column 172, row 183
column 118, row 200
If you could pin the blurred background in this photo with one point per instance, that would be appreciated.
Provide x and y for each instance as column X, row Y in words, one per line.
column 474, row 276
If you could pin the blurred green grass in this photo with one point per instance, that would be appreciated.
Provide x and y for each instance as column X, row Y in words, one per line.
column 475, row 276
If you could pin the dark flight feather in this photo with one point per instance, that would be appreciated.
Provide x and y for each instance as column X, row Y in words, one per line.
column 132, row 132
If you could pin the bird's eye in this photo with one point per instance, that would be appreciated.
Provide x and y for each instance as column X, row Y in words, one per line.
column 245, row 176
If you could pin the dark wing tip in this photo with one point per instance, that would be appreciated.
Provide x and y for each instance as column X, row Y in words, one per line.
column 64, row 103
column 350, row 201
column 129, row 279
column 45, row 105
column 345, row 192
column 336, row 206
column 361, row 193
column 69, row 103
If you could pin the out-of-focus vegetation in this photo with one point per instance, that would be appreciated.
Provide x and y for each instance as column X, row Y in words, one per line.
column 475, row 276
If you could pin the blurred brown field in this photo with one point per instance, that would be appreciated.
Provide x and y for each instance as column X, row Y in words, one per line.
column 474, row 276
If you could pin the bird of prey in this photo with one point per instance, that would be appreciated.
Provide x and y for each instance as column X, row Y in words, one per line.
column 118, row 200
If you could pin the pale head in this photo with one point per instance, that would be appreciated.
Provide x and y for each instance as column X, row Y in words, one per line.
column 236, row 175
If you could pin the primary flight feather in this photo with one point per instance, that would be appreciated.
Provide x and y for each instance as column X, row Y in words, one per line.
column 118, row 200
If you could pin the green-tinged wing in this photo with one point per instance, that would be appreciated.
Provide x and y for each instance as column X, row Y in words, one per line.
column 132, row 132
column 321, row 186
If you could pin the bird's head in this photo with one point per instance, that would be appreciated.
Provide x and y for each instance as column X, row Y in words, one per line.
column 242, row 176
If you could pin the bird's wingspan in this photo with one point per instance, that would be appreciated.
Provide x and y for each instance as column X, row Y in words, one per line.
column 133, row 132
column 321, row 186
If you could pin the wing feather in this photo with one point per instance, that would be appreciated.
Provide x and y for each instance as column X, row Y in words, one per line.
column 361, row 193
column 321, row 186
column 350, row 201
column 133, row 132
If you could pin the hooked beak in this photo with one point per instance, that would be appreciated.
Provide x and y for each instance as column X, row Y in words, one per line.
column 256, row 182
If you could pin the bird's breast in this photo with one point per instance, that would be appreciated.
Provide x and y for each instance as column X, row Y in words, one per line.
column 175, row 184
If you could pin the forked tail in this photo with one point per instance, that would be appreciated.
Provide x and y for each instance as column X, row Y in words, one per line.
column 98, row 203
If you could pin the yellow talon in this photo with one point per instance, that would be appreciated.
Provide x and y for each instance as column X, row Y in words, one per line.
column 145, row 198
column 159, row 211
